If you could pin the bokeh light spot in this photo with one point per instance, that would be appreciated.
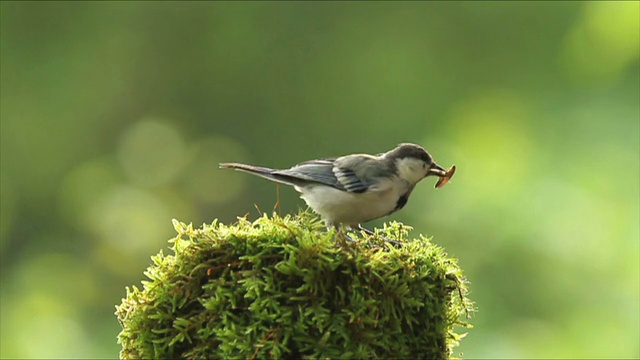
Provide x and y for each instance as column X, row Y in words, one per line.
column 494, row 146
column 572, row 223
column 152, row 152
column 205, row 180
column 82, row 187
column 603, row 43
column 44, row 300
column 58, row 337
column 57, row 275
column 131, row 218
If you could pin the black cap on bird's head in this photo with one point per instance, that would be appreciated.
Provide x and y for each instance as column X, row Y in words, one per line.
column 413, row 151
column 407, row 150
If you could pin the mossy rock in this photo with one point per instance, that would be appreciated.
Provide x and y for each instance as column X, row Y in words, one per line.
column 287, row 288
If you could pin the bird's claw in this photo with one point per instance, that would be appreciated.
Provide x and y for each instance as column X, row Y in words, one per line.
column 372, row 233
column 349, row 238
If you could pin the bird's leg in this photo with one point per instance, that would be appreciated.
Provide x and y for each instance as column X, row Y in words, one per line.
column 365, row 230
column 371, row 233
column 277, row 205
column 346, row 236
column 349, row 237
column 341, row 232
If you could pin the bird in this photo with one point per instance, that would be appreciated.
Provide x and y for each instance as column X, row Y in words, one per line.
column 353, row 189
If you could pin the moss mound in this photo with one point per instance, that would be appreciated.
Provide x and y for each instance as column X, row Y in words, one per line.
column 287, row 288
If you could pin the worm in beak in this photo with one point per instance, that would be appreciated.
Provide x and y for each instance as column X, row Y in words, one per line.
column 436, row 170
column 444, row 175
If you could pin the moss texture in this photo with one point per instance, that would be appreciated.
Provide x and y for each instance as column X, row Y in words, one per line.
column 287, row 288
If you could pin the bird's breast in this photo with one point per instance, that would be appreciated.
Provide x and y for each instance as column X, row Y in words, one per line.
column 338, row 206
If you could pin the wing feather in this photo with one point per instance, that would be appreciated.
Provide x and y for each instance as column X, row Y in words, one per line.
column 350, row 180
column 352, row 173
column 318, row 171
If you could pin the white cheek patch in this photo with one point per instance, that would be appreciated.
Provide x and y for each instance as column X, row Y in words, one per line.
column 411, row 170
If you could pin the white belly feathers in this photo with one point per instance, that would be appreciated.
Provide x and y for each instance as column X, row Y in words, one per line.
column 337, row 206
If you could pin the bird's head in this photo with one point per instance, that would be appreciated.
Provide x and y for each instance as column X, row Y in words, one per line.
column 413, row 163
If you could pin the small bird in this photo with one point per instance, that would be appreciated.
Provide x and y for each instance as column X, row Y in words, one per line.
column 354, row 189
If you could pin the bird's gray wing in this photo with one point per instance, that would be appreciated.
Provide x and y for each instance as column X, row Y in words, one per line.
column 349, row 173
column 314, row 171
column 359, row 173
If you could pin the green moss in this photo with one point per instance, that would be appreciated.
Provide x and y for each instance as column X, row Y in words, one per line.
column 287, row 288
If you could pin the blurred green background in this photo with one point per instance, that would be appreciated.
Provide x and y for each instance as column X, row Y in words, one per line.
column 115, row 116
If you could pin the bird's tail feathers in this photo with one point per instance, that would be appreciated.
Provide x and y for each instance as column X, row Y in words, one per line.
column 263, row 172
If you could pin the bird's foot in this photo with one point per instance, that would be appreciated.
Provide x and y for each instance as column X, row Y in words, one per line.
column 372, row 233
column 346, row 236
column 341, row 235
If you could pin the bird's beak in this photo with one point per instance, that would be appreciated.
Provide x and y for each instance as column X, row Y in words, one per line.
column 436, row 170
column 444, row 175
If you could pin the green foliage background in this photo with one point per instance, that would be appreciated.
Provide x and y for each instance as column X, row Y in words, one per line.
column 114, row 117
